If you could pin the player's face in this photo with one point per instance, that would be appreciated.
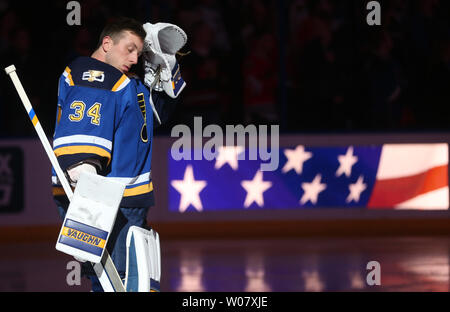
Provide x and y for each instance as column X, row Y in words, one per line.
column 125, row 52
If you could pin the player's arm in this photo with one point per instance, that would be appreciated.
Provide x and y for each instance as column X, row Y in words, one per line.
column 165, row 106
column 84, row 129
column 78, row 142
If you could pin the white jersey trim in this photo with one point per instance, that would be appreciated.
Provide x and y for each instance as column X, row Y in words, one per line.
column 146, row 177
column 82, row 139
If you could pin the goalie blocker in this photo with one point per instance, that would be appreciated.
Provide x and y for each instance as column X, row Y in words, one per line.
column 88, row 223
column 90, row 217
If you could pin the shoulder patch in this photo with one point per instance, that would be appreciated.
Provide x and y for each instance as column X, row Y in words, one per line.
column 89, row 72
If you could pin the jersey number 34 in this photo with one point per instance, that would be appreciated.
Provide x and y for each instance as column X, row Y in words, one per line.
column 93, row 112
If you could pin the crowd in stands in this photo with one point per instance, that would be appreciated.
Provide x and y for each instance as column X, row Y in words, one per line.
column 307, row 65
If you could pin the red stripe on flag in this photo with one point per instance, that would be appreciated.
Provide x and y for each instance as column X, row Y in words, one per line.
column 390, row 192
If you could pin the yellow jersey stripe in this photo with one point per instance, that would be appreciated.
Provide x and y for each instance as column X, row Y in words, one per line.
column 119, row 83
column 69, row 76
column 58, row 118
column 139, row 190
column 143, row 189
column 82, row 149
column 58, row 191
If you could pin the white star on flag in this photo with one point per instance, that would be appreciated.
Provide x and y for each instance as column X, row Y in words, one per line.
column 189, row 190
column 228, row 155
column 312, row 190
column 346, row 163
column 356, row 189
column 255, row 189
column 295, row 159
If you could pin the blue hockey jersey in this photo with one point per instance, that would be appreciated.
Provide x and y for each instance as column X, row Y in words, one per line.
column 104, row 115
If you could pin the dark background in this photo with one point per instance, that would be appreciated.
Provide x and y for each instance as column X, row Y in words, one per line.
column 307, row 65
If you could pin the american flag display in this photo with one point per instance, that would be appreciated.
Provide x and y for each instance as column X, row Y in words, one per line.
column 389, row 176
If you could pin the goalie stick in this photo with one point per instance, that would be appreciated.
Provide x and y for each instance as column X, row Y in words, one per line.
column 105, row 269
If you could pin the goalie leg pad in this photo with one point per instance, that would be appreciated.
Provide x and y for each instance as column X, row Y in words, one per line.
column 143, row 260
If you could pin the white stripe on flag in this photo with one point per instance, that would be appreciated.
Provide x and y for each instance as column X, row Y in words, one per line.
column 401, row 160
column 434, row 200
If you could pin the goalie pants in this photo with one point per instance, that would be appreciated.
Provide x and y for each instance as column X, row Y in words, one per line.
column 126, row 217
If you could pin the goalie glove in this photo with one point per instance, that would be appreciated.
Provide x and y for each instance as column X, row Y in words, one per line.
column 162, row 71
